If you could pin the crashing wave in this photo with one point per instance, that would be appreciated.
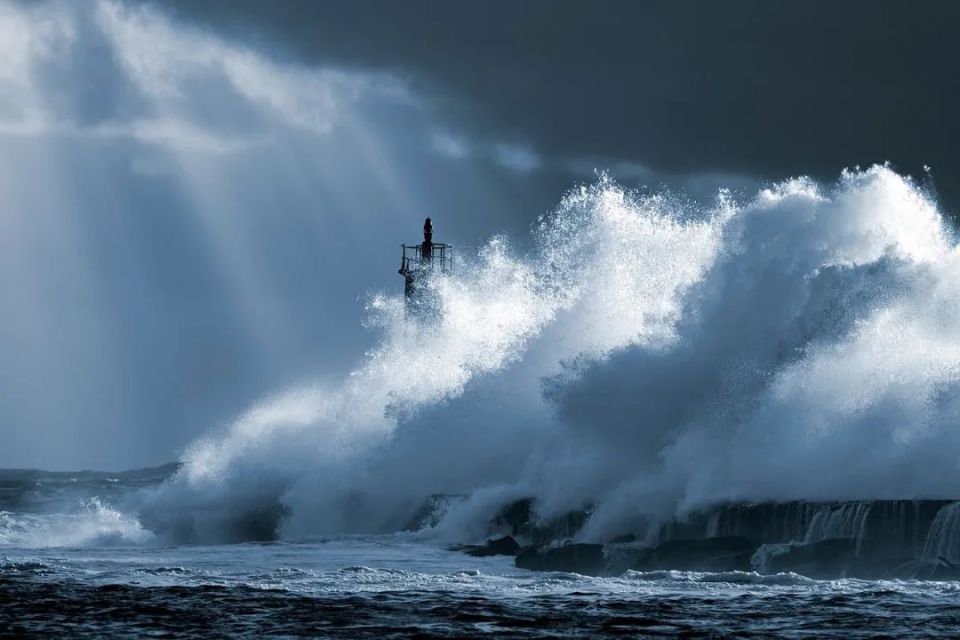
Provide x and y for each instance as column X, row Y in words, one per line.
column 645, row 357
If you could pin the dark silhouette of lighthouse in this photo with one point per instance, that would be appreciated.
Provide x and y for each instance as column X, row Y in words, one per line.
column 418, row 262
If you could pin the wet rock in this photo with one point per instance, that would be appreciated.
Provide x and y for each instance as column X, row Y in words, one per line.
column 889, row 530
column 625, row 538
column 942, row 569
column 257, row 522
column 871, row 539
column 722, row 553
column 562, row 527
column 705, row 554
column 586, row 559
column 938, row 569
column 505, row 546
column 516, row 517
column 432, row 511
column 831, row 558
column 623, row 556
column 603, row 560
column 519, row 520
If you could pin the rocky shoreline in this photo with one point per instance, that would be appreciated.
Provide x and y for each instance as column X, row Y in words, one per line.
column 902, row 539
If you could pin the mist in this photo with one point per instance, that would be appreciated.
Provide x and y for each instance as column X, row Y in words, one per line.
column 188, row 223
column 646, row 359
column 199, row 262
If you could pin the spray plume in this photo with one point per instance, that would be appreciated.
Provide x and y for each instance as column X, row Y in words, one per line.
column 646, row 357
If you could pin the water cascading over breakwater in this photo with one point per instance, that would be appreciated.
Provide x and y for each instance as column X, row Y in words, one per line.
column 943, row 541
column 645, row 358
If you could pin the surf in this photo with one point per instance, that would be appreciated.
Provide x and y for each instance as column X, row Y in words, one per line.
column 646, row 356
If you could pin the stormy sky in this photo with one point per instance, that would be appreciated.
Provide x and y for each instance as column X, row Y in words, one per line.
column 198, row 197
column 755, row 87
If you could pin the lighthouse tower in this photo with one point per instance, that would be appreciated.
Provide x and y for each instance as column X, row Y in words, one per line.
column 418, row 262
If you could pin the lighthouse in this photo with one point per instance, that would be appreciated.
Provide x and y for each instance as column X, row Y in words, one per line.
column 418, row 263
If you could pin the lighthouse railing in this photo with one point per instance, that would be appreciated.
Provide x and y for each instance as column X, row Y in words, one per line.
column 440, row 259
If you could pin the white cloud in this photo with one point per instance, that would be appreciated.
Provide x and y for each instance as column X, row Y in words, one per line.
column 169, row 133
column 450, row 145
column 178, row 134
column 517, row 158
column 619, row 168
column 167, row 63
column 193, row 91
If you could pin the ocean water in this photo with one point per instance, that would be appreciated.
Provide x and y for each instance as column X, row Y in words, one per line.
column 76, row 566
column 393, row 586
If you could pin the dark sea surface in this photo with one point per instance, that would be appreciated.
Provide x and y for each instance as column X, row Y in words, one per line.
column 91, row 571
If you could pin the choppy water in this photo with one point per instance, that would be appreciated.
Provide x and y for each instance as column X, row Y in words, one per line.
column 394, row 586
column 73, row 564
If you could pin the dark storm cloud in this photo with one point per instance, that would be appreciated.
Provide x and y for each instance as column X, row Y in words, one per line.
column 756, row 87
